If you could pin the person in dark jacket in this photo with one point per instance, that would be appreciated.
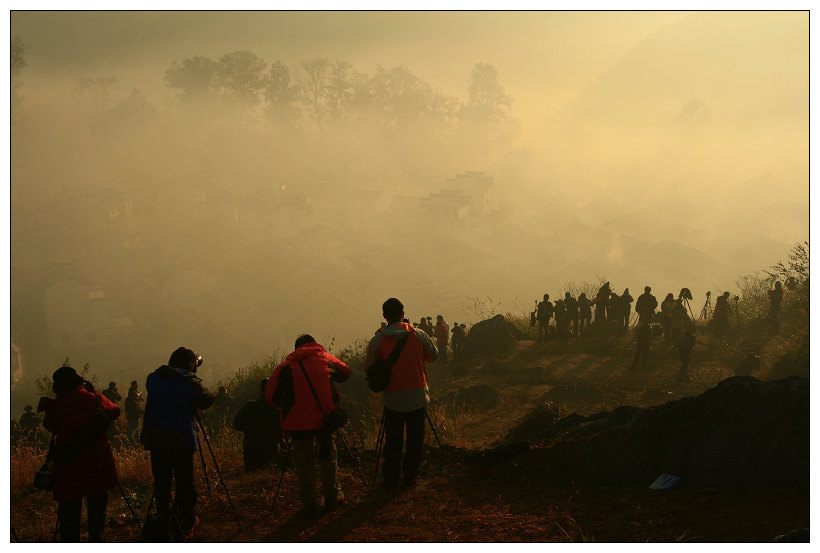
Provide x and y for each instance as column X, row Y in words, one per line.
column 301, row 386
column 643, row 335
column 169, row 432
column 645, row 306
column 626, row 309
column 543, row 315
column 258, row 420
column 406, row 397
column 113, row 395
column 584, row 312
column 457, row 341
column 30, row 425
column 93, row 472
column 571, row 305
column 685, row 347
column 133, row 412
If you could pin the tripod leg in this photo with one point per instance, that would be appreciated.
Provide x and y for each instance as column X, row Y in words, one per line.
column 148, row 512
column 57, row 525
column 218, row 472
column 356, row 464
column 379, row 443
column 130, row 508
column 433, row 428
column 205, row 472
column 284, row 466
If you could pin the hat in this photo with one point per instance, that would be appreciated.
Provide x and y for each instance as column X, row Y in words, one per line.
column 28, row 408
column 65, row 378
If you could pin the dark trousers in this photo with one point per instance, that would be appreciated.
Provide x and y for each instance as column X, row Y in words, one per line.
column 584, row 321
column 683, row 375
column 177, row 466
column 394, row 428
column 642, row 354
column 625, row 320
column 70, row 511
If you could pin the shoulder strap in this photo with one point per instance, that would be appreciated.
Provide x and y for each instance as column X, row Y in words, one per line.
column 394, row 355
column 312, row 389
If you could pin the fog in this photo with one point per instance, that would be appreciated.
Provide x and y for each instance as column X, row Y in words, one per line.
column 228, row 215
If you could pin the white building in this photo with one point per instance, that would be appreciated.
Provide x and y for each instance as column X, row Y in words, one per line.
column 479, row 188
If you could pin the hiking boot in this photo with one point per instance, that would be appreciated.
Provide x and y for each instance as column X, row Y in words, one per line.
column 333, row 502
column 310, row 510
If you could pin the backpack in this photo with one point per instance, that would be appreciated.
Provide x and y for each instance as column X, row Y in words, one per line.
column 380, row 372
column 164, row 527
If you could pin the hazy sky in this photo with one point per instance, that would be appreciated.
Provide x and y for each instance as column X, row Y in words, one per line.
column 597, row 96
column 544, row 58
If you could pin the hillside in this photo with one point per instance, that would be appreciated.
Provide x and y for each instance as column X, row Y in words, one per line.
column 595, row 431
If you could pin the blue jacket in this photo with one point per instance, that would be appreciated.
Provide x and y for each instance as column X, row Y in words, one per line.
column 169, row 422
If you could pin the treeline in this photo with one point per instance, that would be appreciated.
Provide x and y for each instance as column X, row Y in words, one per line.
column 318, row 96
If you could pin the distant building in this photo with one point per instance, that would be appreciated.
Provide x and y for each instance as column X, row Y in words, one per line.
column 479, row 189
column 451, row 205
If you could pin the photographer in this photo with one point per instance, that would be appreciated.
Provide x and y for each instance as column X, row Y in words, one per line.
column 93, row 472
column 169, row 431
column 406, row 397
column 133, row 412
column 301, row 387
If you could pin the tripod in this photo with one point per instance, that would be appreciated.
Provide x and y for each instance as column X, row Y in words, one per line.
column 707, row 308
column 352, row 457
column 380, row 442
column 219, row 472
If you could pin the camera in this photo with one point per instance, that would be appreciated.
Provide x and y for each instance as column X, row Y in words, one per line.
column 43, row 478
column 199, row 360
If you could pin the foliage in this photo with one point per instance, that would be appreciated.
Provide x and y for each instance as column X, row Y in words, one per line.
column 482, row 308
column 45, row 383
column 244, row 384
column 576, row 288
column 17, row 63
column 95, row 92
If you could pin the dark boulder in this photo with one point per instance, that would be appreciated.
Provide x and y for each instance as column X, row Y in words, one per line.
column 491, row 337
column 741, row 434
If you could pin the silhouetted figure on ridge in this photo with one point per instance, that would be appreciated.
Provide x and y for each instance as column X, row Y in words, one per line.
column 626, row 309
column 721, row 315
column 571, row 305
column 584, row 312
column 776, row 298
column 545, row 311
column 645, row 306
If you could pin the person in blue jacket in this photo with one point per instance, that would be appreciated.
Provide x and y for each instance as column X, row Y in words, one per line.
column 169, row 431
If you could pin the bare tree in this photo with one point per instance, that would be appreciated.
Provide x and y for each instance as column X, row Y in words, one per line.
column 312, row 79
column 95, row 92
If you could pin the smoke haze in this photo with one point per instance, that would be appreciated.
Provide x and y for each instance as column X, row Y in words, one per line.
column 654, row 148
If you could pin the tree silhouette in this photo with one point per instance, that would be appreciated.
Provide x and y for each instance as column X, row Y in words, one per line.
column 282, row 96
column 194, row 78
column 18, row 62
column 95, row 92
column 241, row 79
column 312, row 79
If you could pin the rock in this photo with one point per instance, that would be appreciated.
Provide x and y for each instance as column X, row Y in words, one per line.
column 741, row 434
column 491, row 337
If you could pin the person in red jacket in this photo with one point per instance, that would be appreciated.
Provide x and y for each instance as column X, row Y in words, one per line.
column 93, row 473
column 303, row 415
column 406, row 397
column 442, row 335
column 721, row 315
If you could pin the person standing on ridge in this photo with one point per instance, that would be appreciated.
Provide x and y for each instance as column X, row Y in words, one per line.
column 646, row 305
column 406, row 397
column 626, row 309
column 302, row 387
column 543, row 315
column 442, row 335
column 170, row 432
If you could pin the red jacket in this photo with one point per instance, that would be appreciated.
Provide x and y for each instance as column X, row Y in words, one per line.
column 721, row 308
column 94, row 470
column 288, row 389
column 407, row 390
column 441, row 334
